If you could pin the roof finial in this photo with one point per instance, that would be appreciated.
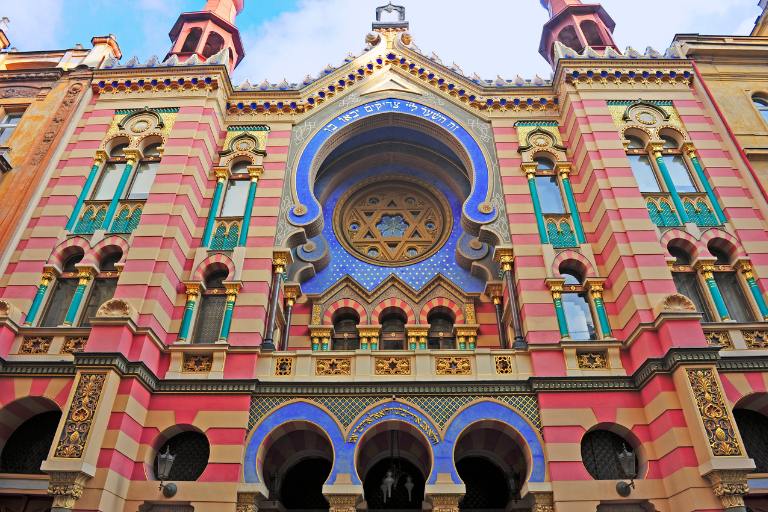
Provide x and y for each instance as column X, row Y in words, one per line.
column 390, row 8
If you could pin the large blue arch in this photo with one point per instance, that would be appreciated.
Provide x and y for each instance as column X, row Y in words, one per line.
column 300, row 411
column 475, row 207
column 482, row 411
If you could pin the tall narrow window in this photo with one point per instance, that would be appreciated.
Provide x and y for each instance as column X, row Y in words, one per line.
column 235, row 198
column 641, row 165
column 393, row 329
column 103, row 287
column 7, row 125
column 550, row 197
column 687, row 282
column 210, row 314
column 345, row 336
column 576, row 305
column 762, row 106
column 730, row 286
column 145, row 173
column 675, row 163
column 110, row 175
column 63, row 291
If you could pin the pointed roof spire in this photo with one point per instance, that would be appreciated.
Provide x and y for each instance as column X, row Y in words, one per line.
column 576, row 26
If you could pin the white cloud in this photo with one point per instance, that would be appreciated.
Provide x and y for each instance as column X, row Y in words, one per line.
column 29, row 29
column 493, row 37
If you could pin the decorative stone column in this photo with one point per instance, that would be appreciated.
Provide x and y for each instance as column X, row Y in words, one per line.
column 749, row 276
column 98, row 161
column 132, row 156
column 706, row 269
column 564, row 169
column 321, row 337
column 84, row 276
column 596, row 289
column 656, row 148
column 505, row 257
column 690, row 150
column 66, row 487
column 45, row 281
column 445, row 502
column 417, row 336
column 730, row 486
column 466, row 337
column 530, row 173
column 222, row 175
column 495, row 290
column 193, row 295
column 231, row 289
column 556, row 289
column 369, row 337
column 291, row 293
column 280, row 260
column 255, row 172
column 342, row 502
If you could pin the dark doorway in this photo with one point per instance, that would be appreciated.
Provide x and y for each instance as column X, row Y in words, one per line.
column 29, row 444
column 487, row 486
column 302, row 486
column 23, row 503
column 403, row 475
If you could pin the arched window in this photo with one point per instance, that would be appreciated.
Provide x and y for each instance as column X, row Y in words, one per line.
column 676, row 165
column 345, row 336
column 103, row 287
column 687, row 281
column 550, row 197
column 569, row 38
column 240, row 167
column 213, row 44
column 753, row 427
column 235, row 198
column 761, row 104
column 393, row 329
column 28, row 446
column 600, row 450
column 110, row 174
column 592, row 33
column 190, row 43
column 440, row 335
column 210, row 313
column 63, row 291
column 544, row 164
column 145, row 173
column 191, row 451
column 641, row 165
column 730, row 286
column 576, row 305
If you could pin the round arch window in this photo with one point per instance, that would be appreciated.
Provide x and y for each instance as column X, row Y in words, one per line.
column 191, row 451
column 600, row 450
column 393, row 222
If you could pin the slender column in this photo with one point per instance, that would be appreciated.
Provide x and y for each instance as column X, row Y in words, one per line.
column 691, row 150
column 280, row 260
column 707, row 273
column 255, row 174
column 596, row 292
column 291, row 292
column 132, row 157
column 749, row 275
column 530, row 173
column 565, row 173
column 193, row 295
column 556, row 288
column 232, row 289
column 495, row 290
column 656, row 148
column 506, row 258
column 45, row 281
column 84, row 276
column 221, row 173
column 98, row 160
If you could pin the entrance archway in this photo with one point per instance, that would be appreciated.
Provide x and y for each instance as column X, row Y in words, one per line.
column 393, row 461
column 490, row 460
column 297, row 461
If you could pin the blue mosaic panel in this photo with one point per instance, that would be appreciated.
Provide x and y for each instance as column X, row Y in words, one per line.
column 369, row 275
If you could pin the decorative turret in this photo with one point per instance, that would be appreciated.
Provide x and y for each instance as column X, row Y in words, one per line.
column 205, row 33
column 761, row 25
column 577, row 26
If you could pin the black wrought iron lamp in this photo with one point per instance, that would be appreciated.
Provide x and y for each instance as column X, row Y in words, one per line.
column 628, row 463
column 164, row 464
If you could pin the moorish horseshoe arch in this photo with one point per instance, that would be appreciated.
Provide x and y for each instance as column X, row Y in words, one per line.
column 478, row 209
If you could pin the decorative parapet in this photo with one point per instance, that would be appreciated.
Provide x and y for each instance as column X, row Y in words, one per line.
column 392, row 365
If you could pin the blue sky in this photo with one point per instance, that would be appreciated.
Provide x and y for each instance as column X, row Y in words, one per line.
column 292, row 38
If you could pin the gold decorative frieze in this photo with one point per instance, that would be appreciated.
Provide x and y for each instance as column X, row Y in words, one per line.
column 80, row 416
column 713, row 411
column 35, row 345
column 453, row 366
column 74, row 344
column 594, row 360
column 393, row 366
column 504, row 365
column 755, row 338
column 197, row 363
column 342, row 502
column 333, row 366
column 445, row 502
column 719, row 339
column 283, row 366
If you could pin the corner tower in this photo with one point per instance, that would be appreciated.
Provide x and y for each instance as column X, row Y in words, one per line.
column 577, row 26
column 205, row 33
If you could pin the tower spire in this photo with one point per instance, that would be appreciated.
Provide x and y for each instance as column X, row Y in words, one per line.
column 207, row 32
column 577, row 26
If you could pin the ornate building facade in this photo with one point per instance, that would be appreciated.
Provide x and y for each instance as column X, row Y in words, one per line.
column 391, row 286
